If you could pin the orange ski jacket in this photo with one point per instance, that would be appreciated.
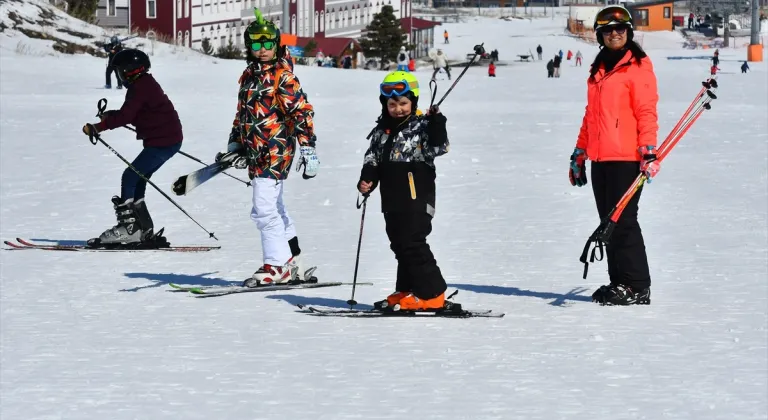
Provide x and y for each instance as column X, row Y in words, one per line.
column 621, row 111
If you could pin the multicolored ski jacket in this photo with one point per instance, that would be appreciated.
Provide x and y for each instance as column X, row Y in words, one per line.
column 401, row 158
column 272, row 114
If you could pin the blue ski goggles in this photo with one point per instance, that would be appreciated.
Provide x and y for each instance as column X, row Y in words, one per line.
column 400, row 88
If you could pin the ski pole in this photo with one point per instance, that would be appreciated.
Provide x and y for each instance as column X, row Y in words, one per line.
column 601, row 236
column 478, row 50
column 94, row 137
column 102, row 106
column 352, row 302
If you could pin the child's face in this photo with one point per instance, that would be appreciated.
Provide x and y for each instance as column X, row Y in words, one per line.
column 399, row 106
column 264, row 54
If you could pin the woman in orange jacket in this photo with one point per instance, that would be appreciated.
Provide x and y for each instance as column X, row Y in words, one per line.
column 618, row 134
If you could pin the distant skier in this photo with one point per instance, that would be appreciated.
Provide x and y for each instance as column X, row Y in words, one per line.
column 716, row 57
column 560, row 54
column 401, row 159
column 112, row 48
column 619, row 134
column 557, row 62
column 539, row 50
column 266, row 128
column 713, row 70
column 744, row 67
column 551, row 69
column 578, row 58
column 569, row 55
column 441, row 62
column 445, row 37
column 402, row 60
column 157, row 124
column 491, row 69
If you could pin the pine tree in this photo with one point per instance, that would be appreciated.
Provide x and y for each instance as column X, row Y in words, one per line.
column 206, row 46
column 230, row 51
column 383, row 36
column 83, row 9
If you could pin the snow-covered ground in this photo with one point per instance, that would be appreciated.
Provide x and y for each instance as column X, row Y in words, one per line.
column 97, row 335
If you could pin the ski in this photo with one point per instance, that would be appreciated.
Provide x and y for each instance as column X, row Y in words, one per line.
column 451, row 311
column 186, row 183
column 178, row 288
column 27, row 245
column 229, row 290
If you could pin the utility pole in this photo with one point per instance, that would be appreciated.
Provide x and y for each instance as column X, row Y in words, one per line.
column 755, row 50
column 286, row 19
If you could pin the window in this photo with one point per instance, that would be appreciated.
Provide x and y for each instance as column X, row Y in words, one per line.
column 640, row 17
column 111, row 9
column 186, row 8
column 179, row 13
column 151, row 9
column 667, row 12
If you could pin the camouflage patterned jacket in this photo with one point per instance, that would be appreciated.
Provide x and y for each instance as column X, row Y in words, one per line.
column 269, row 123
column 401, row 158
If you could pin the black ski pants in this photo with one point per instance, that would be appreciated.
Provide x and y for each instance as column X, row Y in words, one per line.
column 627, row 261
column 417, row 270
column 111, row 69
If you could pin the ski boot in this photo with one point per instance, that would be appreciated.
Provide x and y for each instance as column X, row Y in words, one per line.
column 390, row 301
column 128, row 230
column 621, row 295
column 107, row 86
column 270, row 274
column 119, row 87
column 412, row 303
column 149, row 239
column 303, row 275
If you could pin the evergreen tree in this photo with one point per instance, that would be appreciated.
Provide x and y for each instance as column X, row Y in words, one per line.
column 206, row 46
column 230, row 51
column 83, row 9
column 383, row 36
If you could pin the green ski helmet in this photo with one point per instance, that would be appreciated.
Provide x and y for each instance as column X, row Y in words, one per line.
column 400, row 83
column 263, row 32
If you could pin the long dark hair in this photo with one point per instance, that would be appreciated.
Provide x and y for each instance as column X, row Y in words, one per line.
column 637, row 53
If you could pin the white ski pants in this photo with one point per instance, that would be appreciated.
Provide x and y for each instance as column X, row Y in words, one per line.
column 275, row 225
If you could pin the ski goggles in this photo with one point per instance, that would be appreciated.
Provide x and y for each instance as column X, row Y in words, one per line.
column 613, row 14
column 260, row 41
column 390, row 89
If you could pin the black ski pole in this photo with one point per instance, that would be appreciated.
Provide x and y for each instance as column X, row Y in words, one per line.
column 478, row 50
column 352, row 302
column 94, row 137
column 102, row 106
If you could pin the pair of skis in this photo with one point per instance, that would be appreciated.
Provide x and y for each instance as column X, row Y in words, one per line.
column 23, row 244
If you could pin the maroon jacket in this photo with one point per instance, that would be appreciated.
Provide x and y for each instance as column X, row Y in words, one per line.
column 148, row 108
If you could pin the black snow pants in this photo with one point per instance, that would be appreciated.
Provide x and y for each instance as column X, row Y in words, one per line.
column 417, row 270
column 627, row 261
column 111, row 69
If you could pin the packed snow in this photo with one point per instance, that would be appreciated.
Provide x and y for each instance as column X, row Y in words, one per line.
column 98, row 335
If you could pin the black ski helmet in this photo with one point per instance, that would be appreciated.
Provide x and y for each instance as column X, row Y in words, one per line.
column 613, row 16
column 130, row 64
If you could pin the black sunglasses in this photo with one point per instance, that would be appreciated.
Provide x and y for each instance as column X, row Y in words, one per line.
column 619, row 29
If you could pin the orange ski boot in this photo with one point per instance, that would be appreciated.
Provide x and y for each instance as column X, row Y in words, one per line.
column 413, row 303
column 391, row 300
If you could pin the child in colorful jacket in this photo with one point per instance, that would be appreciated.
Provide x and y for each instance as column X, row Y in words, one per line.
column 401, row 158
column 272, row 114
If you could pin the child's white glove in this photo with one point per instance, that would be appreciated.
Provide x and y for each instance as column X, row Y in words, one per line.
column 309, row 161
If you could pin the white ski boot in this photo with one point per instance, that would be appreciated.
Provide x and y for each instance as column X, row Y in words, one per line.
column 269, row 274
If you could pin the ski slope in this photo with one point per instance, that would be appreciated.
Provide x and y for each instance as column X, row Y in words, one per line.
column 98, row 335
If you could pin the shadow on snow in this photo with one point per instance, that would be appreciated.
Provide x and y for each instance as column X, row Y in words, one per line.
column 317, row 301
column 558, row 299
column 162, row 279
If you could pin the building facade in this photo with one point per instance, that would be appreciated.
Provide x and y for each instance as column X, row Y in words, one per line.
column 188, row 22
column 113, row 13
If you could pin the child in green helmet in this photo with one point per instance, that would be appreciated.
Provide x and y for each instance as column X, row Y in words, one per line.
column 401, row 160
column 273, row 114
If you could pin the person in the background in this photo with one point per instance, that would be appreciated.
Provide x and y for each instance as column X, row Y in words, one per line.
column 713, row 70
column 744, row 67
column 569, row 56
column 112, row 48
column 539, row 50
column 491, row 69
column 441, row 62
column 551, row 69
column 557, row 61
column 560, row 54
column 716, row 58
column 445, row 36
column 618, row 134
column 402, row 60
column 578, row 58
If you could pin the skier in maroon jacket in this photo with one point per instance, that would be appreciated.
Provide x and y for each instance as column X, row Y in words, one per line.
column 157, row 124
